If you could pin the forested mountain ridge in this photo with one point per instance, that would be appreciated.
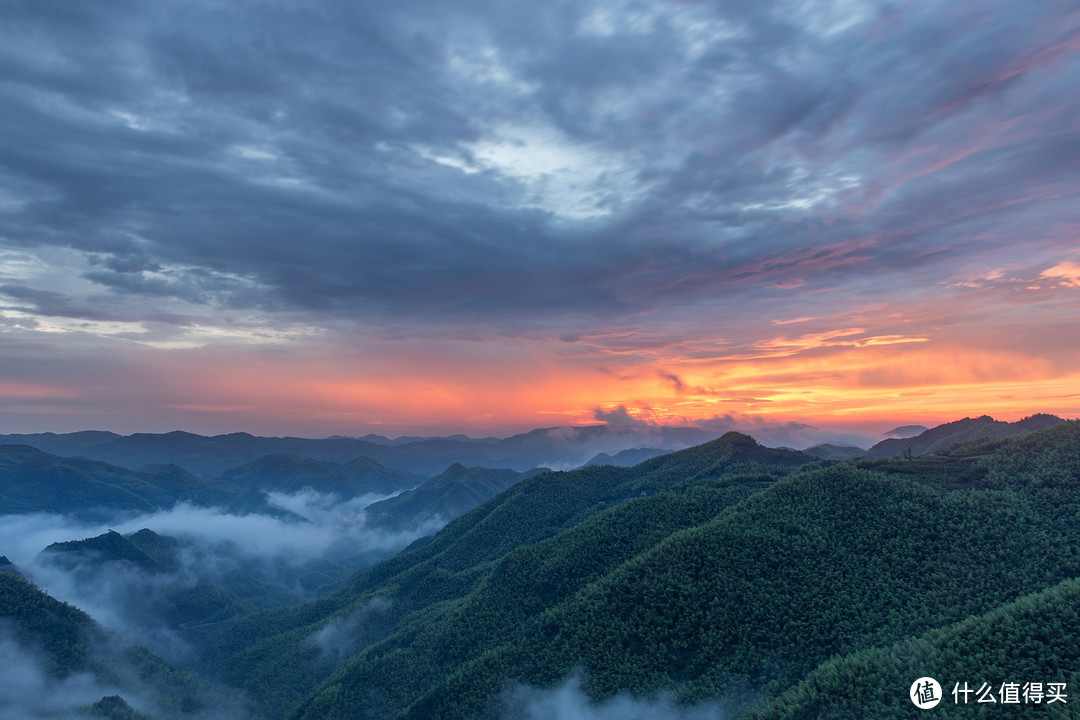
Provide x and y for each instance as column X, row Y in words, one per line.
column 1031, row 640
column 943, row 437
column 290, row 474
column 76, row 664
column 209, row 456
column 35, row 481
column 445, row 496
column 712, row 585
column 471, row 548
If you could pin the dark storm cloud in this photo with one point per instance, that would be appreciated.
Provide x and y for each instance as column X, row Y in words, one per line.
column 312, row 157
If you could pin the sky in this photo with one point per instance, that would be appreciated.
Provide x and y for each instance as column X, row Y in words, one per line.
column 484, row 216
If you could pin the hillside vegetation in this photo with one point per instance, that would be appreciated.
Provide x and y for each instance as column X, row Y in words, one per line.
column 725, row 571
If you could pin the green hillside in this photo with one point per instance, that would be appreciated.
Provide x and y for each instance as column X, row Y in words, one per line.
column 723, row 571
column 445, row 496
column 189, row 595
column 34, row 481
column 764, row 581
column 943, row 437
column 828, row 451
column 472, row 552
column 68, row 642
column 107, row 547
column 1035, row 639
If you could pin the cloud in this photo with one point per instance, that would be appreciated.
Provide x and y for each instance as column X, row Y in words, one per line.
column 135, row 601
column 329, row 145
column 28, row 691
column 192, row 175
column 340, row 637
column 682, row 388
column 1067, row 273
column 569, row 701
column 619, row 417
column 778, row 433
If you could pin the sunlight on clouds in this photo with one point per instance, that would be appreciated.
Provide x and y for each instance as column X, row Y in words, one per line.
column 700, row 26
column 484, row 65
column 61, row 325
column 249, row 152
column 198, row 336
column 809, row 341
column 608, row 21
column 134, row 122
column 435, row 157
column 828, row 17
column 1065, row 273
column 574, row 180
column 47, row 268
column 29, row 390
column 805, row 191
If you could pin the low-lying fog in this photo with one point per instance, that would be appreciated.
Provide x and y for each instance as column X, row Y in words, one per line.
column 269, row 560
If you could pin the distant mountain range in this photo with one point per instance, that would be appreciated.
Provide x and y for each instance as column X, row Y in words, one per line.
column 35, row 481
column 790, row 584
column 915, row 440
column 760, row 579
column 905, row 431
column 205, row 456
column 943, row 437
column 290, row 474
column 626, row 458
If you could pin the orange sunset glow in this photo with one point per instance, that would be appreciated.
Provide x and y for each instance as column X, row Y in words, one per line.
column 713, row 237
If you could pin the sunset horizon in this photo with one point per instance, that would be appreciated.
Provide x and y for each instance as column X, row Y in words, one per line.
column 840, row 215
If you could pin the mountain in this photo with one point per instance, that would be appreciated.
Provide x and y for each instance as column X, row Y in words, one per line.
column 154, row 581
column 163, row 550
column 1010, row 649
column 443, row 497
column 210, row 456
column 724, row 571
column 182, row 599
column 758, row 582
column 625, row 458
column 291, row 474
column 7, row 566
column 827, row 451
column 943, row 437
column 61, row 443
column 35, row 481
column 905, row 431
column 115, row 707
column 620, row 511
column 109, row 547
column 67, row 663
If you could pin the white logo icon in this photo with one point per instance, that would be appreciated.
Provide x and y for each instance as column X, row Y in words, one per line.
column 925, row 693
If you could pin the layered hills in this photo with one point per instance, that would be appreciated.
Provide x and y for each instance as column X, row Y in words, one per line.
column 726, row 571
column 35, row 481
column 757, row 582
column 943, row 437
column 210, row 456
column 69, row 666
column 444, row 496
